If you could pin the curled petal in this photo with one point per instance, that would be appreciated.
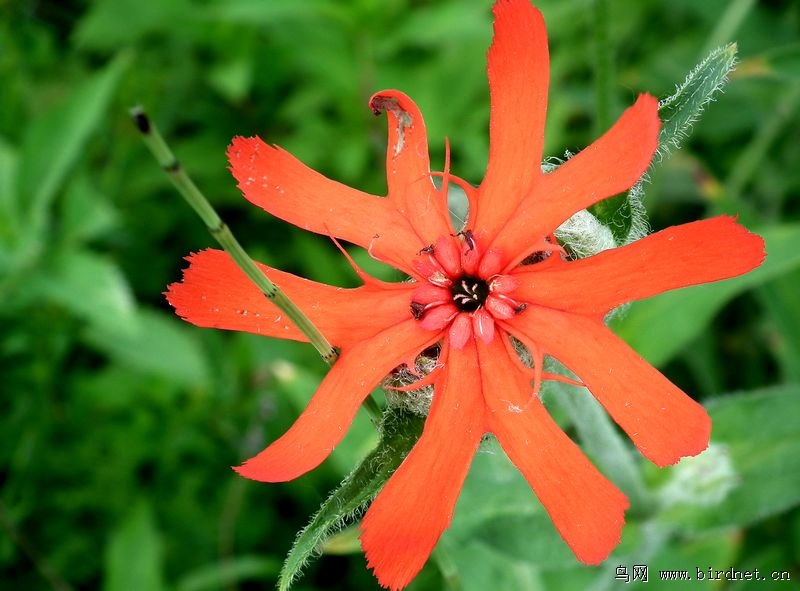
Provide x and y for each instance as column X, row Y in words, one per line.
column 430, row 269
column 491, row 263
column 411, row 189
column 330, row 411
column 503, row 284
column 471, row 259
column 401, row 528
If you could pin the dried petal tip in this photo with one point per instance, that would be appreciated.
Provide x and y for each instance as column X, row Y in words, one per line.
column 381, row 102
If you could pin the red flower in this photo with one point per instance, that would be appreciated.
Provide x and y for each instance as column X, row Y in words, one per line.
column 471, row 292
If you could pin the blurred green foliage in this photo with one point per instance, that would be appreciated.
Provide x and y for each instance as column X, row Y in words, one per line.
column 118, row 422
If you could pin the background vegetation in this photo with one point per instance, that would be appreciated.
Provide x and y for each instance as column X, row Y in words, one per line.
column 118, row 422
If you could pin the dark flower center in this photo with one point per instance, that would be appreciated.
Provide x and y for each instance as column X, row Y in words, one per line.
column 469, row 293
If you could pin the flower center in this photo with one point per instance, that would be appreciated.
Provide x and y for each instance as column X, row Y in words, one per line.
column 463, row 289
column 469, row 293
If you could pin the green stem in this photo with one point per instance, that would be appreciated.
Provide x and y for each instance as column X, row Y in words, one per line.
column 603, row 67
column 223, row 235
column 613, row 212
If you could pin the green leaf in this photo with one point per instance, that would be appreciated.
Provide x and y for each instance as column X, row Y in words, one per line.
column 498, row 510
column 158, row 345
column 86, row 213
column 268, row 13
column 762, row 433
column 343, row 542
column 685, row 555
column 55, row 141
column 779, row 300
column 233, row 79
column 90, row 286
column 399, row 432
column 102, row 28
column 662, row 326
column 681, row 110
column 477, row 567
column 227, row 573
column 133, row 553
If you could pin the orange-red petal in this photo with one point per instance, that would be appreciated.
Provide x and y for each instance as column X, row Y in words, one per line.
column 587, row 510
column 689, row 254
column 519, row 75
column 325, row 420
column 282, row 185
column 664, row 423
column 610, row 165
column 406, row 519
column 411, row 189
column 215, row 293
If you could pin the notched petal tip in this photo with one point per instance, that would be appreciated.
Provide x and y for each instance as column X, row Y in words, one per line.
column 248, row 471
column 243, row 151
column 258, row 468
column 250, row 160
column 749, row 248
column 690, row 440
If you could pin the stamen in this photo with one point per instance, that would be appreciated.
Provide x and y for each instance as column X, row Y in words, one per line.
column 469, row 239
column 417, row 310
